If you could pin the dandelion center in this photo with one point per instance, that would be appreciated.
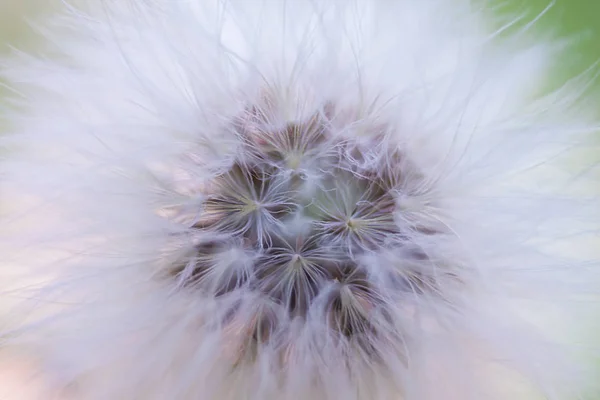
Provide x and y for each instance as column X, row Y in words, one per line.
column 303, row 205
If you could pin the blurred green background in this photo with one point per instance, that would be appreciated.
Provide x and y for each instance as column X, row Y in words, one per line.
column 575, row 21
column 13, row 16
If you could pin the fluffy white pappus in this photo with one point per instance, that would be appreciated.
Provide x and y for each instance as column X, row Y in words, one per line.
column 211, row 199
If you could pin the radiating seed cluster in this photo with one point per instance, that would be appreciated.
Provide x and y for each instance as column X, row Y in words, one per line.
column 292, row 218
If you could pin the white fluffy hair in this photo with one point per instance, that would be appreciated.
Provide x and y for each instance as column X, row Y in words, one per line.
column 302, row 199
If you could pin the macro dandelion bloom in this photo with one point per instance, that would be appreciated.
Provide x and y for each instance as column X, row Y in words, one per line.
column 210, row 199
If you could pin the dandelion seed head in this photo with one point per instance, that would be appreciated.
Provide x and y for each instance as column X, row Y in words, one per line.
column 308, row 237
column 293, row 200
